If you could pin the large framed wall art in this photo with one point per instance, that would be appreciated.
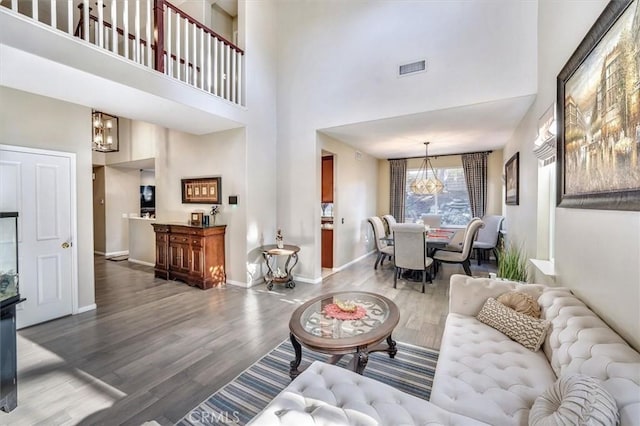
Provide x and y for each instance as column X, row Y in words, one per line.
column 598, row 102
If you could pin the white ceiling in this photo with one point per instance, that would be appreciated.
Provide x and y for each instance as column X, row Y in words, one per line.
column 480, row 79
column 338, row 64
column 470, row 128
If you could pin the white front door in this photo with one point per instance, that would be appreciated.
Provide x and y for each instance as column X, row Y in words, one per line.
column 38, row 187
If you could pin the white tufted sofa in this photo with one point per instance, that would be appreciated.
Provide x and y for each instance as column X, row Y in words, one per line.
column 482, row 376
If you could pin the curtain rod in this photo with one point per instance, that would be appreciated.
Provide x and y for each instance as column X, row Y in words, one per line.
column 440, row 155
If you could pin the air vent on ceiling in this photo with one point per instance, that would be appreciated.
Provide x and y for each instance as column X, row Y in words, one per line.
column 412, row 68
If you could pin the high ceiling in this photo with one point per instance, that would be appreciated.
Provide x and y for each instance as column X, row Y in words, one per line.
column 339, row 64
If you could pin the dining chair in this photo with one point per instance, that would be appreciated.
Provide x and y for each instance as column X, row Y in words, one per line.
column 383, row 248
column 462, row 257
column 458, row 239
column 390, row 221
column 432, row 220
column 487, row 239
column 410, row 251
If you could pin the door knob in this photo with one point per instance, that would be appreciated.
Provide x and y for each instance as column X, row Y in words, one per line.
column 66, row 245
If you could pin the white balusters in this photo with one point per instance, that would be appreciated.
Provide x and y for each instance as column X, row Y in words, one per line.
column 70, row 17
column 208, row 63
column 148, row 35
column 186, row 50
column 136, row 25
column 54, row 14
column 194, row 80
column 178, row 45
column 190, row 52
column 100, row 25
column 239, row 80
column 114, row 26
column 227, row 72
column 168, row 41
column 233, row 75
column 216, row 72
column 202, row 61
column 125, row 24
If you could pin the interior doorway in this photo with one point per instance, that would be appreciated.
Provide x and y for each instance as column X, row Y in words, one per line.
column 327, row 206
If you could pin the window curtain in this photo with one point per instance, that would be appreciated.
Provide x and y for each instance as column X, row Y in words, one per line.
column 475, row 175
column 398, row 180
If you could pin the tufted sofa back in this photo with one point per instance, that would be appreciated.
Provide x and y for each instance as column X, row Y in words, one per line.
column 578, row 341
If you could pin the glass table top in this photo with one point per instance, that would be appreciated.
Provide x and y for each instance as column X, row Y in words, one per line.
column 315, row 322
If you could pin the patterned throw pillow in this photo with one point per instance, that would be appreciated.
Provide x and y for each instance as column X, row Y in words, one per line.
column 520, row 302
column 526, row 330
column 574, row 400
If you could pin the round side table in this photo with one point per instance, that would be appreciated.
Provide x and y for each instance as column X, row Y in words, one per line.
column 270, row 253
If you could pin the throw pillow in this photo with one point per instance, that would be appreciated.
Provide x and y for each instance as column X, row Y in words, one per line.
column 574, row 400
column 526, row 330
column 520, row 302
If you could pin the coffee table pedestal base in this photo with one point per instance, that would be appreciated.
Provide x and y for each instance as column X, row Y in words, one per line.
column 357, row 363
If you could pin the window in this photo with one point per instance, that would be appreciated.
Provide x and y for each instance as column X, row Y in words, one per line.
column 452, row 204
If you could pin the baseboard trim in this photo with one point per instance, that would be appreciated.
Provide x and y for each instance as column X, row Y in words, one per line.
column 308, row 280
column 237, row 284
column 99, row 253
column 346, row 265
column 117, row 253
column 83, row 309
column 141, row 262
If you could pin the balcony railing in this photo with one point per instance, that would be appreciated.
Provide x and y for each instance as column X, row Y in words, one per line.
column 154, row 33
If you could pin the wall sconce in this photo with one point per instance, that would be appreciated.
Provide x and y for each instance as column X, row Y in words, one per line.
column 105, row 132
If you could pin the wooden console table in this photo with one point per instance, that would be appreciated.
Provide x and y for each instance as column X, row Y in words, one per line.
column 193, row 254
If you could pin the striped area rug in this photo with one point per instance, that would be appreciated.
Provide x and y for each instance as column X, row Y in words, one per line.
column 240, row 400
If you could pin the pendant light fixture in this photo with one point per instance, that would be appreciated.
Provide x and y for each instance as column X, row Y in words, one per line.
column 423, row 184
column 105, row 132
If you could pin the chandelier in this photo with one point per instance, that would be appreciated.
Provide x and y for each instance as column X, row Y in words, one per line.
column 105, row 132
column 423, row 184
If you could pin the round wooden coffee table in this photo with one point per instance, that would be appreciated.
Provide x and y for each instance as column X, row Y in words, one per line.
column 312, row 328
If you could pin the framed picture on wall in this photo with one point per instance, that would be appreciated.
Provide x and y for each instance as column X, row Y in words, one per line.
column 205, row 190
column 512, row 180
column 598, row 101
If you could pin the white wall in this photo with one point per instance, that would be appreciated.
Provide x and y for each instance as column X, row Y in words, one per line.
column 355, row 200
column 257, row 31
column 122, row 199
column 181, row 155
column 597, row 252
column 335, row 68
column 38, row 122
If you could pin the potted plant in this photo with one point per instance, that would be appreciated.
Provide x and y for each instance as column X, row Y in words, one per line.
column 512, row 264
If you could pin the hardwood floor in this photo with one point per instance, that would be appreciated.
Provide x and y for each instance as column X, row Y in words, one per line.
column 154, row 349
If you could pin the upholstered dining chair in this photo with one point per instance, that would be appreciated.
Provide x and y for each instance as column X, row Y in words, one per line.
column 383, row 248
column 444, row 256
column 458, row 239
column 410, row 251
column 390, row 221
column 487, row 239
column 432, row 220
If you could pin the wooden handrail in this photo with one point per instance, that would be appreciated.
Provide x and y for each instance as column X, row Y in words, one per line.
column 120, row 31
column 204, row 28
